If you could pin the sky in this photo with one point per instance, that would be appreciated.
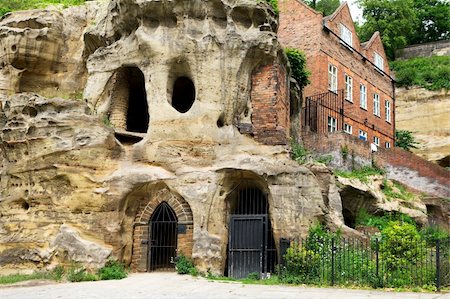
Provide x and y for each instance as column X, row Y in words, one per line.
column 355, row 10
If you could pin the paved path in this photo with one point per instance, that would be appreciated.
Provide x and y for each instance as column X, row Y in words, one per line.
column 171, row 286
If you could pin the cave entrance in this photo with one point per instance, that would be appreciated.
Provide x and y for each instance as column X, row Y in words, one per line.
column 183, row 95
column 353, row 202
column 251, row 246
column 129, row 108
column 162, row 238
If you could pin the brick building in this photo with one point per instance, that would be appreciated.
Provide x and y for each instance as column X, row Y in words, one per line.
column 351, row 88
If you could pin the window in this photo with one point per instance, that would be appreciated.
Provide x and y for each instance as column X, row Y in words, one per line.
column 379, row 61
column 332, row 78
column 332, row 124
column 346, row 35
column 387, row 110
column 363, row 96
column 376, row 104
column 348, row 88
column 376, row 140
column 362, row 135
column 348, row 129
column 388, row 145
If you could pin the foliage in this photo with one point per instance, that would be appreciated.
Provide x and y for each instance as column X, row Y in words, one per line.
column 325, row 159
column 302, row 264
column 433, row 233
column 299, row 153
column 297, row 60
column 274, row 4
column 185, row 265
column 253, row 276
column 106, row 121
column 397, row 250
column 405, row 140
column 405, row 22
column 381, row 222
column 344, row 152
column 13, row 5
column 432, row 73
column 362, row 174
column 326, row 7
column 112, row 270
column 77, row 274
column 396, row 190
column 55, row 274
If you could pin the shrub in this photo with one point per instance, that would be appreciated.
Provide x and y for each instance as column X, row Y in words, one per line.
column 297, row 60
column 253, row 276
column 302, row 264
column 396, row 190
column 13, row 5
column 361, row 173
column 381, row 222
column 405, row 140
column 185, row 265
column 77, row 274
column 299, row 153
column 112, row 270
column 274, row 4
column 396, row 247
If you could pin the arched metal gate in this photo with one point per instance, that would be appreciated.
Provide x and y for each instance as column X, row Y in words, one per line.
column 163, row 238
column 251, row 246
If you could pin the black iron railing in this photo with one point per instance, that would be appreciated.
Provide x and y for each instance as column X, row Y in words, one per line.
column 371, row 262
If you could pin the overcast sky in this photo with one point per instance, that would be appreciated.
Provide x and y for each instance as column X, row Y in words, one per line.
column 355, row 10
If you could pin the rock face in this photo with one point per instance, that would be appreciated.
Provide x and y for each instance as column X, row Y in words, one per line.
column 425, row 113
column 185, row 111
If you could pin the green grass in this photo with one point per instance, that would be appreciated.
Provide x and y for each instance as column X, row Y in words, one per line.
column 13, row 5
column 55, row 274
column 362, row 174
column 397, row 191
column 381, row 222
column 432, row 73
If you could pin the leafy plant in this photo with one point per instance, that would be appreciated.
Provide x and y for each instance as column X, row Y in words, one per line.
column 112, row 270
column 433, row 233
column 381, row 222
column 344, row 152
column 299, row 153
column 325, row 159
column 297, row 60
column 405, row 140
column 327, row 7
column 274, row 4
column 77, row 274
column 185, row 265
column 253, row 276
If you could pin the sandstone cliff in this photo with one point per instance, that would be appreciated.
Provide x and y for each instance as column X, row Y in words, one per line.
column 426, row 114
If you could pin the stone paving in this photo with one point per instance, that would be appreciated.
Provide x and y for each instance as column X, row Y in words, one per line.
column 171, row 285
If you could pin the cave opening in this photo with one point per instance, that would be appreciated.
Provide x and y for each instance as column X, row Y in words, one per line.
column 137, row 113
column 183, row 95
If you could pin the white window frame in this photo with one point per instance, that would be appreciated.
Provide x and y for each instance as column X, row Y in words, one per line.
column 362, row 134
column 376, row 104
column 387, row 110
column 348, row 129
column 387, row 144
column 348, row 88
column 376, row 140
column 332, row 124
column 346, row 35
column 363, row 96
column 378, row 61
column 332, row 78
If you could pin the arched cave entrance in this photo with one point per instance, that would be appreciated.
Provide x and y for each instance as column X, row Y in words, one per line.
column 129, row 107
column 162, row 238
column 354, row 201
column 183, row 95
column 163, row 227
column 251, row 246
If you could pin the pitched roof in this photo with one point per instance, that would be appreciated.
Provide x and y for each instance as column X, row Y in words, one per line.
column 368, row 43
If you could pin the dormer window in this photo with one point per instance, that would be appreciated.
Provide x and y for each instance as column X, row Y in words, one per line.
column 379, row 61
column 346, row 35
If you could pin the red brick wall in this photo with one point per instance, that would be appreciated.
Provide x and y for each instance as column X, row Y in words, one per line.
column 394, row 160
column 300, row 27
column 270, row 104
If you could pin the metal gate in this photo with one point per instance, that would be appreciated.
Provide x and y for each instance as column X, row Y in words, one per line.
column 246, row 245
column 163, row 238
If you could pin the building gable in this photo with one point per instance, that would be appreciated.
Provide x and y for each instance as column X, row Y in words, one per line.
column 375, row 45
column 342, row 16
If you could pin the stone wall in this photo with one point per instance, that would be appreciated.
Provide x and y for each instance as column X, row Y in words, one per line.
column 439, row 48
column 402, row 166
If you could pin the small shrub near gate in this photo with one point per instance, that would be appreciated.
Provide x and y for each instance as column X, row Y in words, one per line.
column 112, row 270
column 185, row 266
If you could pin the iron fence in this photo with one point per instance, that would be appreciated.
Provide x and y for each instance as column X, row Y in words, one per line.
column 372, row 262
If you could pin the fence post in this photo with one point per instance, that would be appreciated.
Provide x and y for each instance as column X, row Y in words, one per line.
column 332, row 261
column 377, row 247
column 438, row 266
